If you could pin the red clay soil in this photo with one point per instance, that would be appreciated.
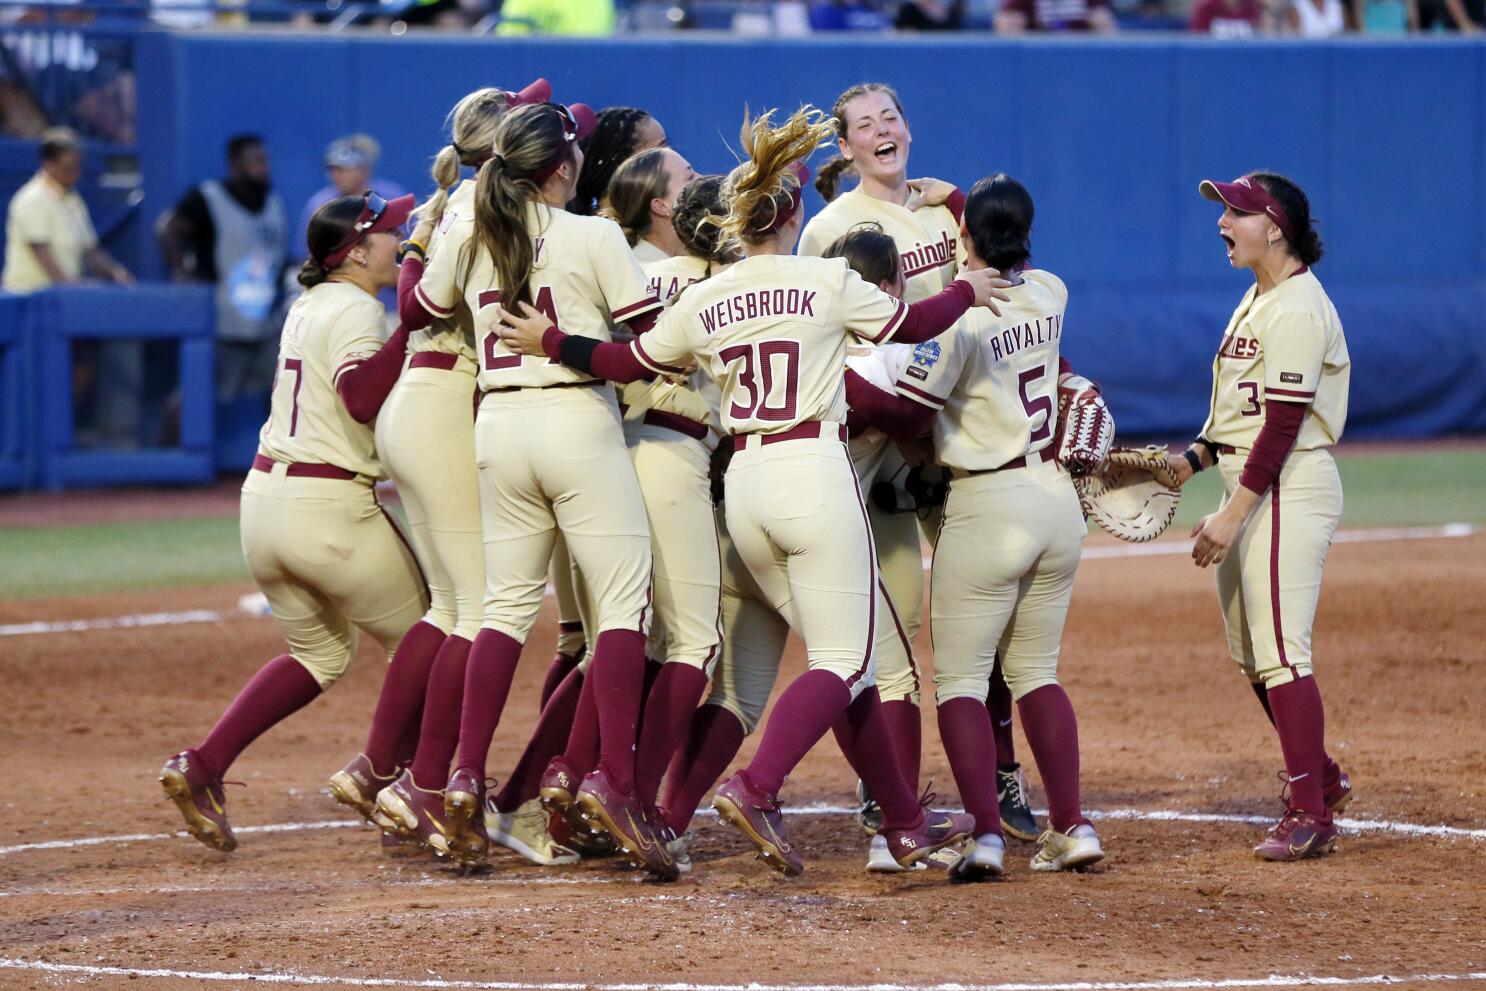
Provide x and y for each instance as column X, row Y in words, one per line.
column 1166, row 723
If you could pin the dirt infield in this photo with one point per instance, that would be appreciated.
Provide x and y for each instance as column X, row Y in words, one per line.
column 1167, row 726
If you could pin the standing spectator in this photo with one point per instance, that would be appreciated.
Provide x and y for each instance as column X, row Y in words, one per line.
column 232, row 233
column 1316, row 18
column 1465, row 16
column 49, row 238
column 1227, row 18
column 930, row 15
column 1021, row 16
column 580, row 18
column 349, row 163
column 50, row 241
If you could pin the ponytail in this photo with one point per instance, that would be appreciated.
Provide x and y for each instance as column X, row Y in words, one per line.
column 528, row 140
column 472, row 125
column 445, row 174
column 828, row 180
column 312, row 273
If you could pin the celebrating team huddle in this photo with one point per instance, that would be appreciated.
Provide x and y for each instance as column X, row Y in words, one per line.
column 707, row 423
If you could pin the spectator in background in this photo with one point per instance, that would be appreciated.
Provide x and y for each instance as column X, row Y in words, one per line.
column 1384, row 17
column 930, row 15
column 847, row 15
column 584, row 18
column 1465, row 16
column 349, row 164
column 50, row 241
column 1315, row 18
column 49, row 237
column 1021, row 16
column 233, row 234
column 1227, row 18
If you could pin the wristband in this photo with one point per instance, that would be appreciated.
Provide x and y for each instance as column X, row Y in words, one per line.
column 1193, row 460
column 413, row 246
column 1210, row 447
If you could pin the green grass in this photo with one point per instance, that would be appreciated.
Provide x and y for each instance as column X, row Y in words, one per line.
column 1406, row 489
column 112, row 557
column 1403, row 489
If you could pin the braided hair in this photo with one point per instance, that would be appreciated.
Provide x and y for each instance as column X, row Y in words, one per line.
column 612, row 141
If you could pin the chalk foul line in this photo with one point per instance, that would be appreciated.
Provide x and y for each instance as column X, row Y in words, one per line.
column 254, row 605
column 310, row 980
column 1409, row 829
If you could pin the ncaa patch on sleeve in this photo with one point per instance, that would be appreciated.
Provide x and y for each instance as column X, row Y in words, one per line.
column 927, row 354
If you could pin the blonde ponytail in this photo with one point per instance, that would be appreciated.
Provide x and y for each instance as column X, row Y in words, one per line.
column 472, row 125
column 763, row 187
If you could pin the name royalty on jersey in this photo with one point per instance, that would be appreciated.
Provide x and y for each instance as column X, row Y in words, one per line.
column 1026, row 335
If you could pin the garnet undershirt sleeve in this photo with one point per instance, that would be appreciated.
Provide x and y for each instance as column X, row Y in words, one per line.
column 901, row 419
column 1282, row 422
column 364, row 386
column 606, row 360
column 928, row 318
column 409, row 310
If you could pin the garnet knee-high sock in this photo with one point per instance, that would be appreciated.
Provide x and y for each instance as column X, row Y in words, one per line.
column 998, row 704
column 1333, row 769
column 970, row 745
column 803, row 714
column 402, row 694
column 669, row 706
column 862, row 734
column 407, row 747
column 1052, row 732
column 618, row 676
column 281, row 688
column 487, row 683
column 547, row 741
column 906, row 728
column 438, row 735
column 582, row 750
column 562, row 665
column 712, row 741
column 1300, row 721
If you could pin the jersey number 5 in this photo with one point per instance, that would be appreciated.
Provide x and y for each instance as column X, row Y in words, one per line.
column 1038, row 406
column 495, row 362
column 774, row 398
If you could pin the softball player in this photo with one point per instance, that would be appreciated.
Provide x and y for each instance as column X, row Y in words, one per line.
column 1279, row 403
column 551, row 456
column 772, row 331
column 425, row 439
column 873, row 140
column 317, row 543
column 618, row 133
column 1012, row 535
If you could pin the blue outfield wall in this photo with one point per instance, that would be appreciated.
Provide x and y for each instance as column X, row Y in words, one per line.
column 1111, row 137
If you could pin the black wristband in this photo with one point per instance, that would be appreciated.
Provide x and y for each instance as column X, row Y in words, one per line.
column 1209, row 447
column 1193, row 460
column 576, row 352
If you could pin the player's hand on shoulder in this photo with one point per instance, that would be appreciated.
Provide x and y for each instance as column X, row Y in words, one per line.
column 523, row 334
column 988, row 287
column 929, row 192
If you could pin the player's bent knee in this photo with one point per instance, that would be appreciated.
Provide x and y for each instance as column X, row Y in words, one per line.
column 325, row 666
column 515, row 631
column 443, row 619
column 746, row 712
column 1023, row 684
column 951, row 688
column 1280, row 676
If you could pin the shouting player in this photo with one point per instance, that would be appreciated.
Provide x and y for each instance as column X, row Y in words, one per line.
column 772, row 331
column 1279, row 403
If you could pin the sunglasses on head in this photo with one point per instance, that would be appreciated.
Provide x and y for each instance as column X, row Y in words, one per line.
column 569, row 122
column 372, row 208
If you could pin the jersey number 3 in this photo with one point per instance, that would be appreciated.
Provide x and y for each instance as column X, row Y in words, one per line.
column 774, row 398
column 495, row 362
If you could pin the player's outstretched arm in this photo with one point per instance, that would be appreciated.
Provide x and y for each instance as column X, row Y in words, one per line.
column 899, row 418
column 928, row 318
column 532, row 333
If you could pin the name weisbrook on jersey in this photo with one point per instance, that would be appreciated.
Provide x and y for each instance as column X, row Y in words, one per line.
column 759, row 303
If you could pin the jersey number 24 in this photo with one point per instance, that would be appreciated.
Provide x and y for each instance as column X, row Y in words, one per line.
column 495, row 362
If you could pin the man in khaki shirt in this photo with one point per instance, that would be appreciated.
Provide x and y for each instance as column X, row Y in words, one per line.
column 49, row 238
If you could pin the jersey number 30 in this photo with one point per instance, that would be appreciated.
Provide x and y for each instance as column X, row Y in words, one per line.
column 777, row 363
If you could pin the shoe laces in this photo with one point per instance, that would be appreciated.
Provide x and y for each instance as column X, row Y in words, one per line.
column 1284, row 777
column 1015, row 785
column 928, row 796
